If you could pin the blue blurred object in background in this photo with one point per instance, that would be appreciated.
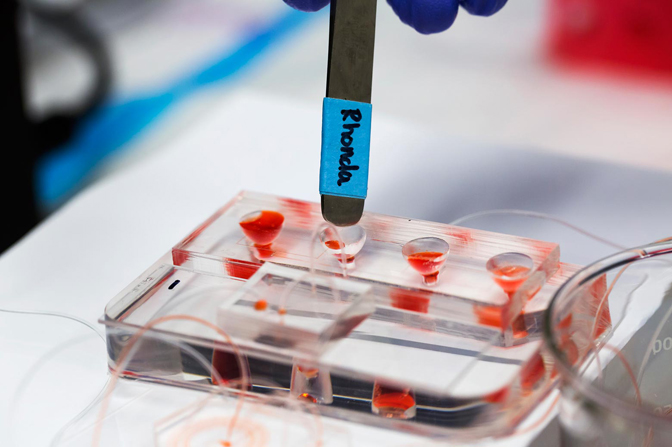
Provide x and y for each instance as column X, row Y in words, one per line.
column 108, row 129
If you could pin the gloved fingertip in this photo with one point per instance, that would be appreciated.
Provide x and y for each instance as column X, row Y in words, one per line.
column 307, row 5
column 482, row 8
column 426, row 16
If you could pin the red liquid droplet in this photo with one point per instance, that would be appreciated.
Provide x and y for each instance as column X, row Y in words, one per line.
column 337, row 245
column 307, row 397
column 225, row 443
column 510, row 277
column 261, row 305
column 263, row 228
column 392, row 400
column 412, row 300
column 282, row 311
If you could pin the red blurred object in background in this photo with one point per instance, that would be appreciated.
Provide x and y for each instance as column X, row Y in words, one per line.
column 626, row 33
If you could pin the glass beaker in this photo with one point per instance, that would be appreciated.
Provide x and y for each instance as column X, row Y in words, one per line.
column 609, row 333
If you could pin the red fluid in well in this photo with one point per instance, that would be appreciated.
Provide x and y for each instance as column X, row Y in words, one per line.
column 337, row 245
column 263, row 228
column 261, row 305
column 428, row 264
column 392, row 401
column 416, row 301
column 334, row 245
column 510, row 277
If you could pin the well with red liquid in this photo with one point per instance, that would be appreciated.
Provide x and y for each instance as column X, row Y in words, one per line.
column 428, row 264
column 337, row 245
column 511, row 277
column 263, row 228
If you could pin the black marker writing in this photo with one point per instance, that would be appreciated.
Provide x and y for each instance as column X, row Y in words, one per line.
column 347, row 150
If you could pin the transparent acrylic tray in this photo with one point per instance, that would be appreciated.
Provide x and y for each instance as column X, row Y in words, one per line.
column 465, row 287
column 460, row 359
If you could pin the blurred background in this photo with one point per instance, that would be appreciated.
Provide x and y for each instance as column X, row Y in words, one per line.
column 94, row 86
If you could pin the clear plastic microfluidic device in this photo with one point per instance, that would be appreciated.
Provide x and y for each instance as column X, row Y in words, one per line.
column 405, row 324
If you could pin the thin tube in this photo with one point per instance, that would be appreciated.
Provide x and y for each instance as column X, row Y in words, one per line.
column 537, row 215
column 126, row 354
column 56, row 315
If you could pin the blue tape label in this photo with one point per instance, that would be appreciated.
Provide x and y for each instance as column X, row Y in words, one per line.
column 346, row 136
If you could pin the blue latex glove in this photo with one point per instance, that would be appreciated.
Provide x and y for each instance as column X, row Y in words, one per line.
column 426, row 16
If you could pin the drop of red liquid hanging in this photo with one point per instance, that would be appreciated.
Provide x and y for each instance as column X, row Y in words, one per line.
column 308, row 398
column 261, row 305
column 263, row 228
